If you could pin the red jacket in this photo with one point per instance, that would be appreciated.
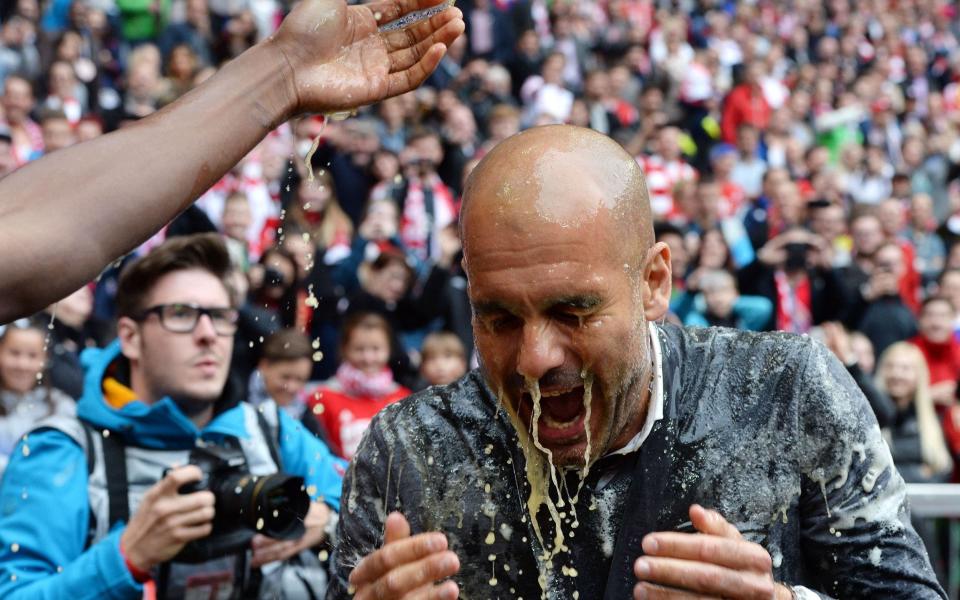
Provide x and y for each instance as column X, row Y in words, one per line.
column 346, row 417
column 943, row 360
column 743, row 105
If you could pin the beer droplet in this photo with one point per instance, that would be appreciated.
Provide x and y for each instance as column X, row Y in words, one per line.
column 259, row 523
column 490, row 538
column 15, row 547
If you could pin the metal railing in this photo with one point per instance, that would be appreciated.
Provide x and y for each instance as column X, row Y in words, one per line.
column 941, row 501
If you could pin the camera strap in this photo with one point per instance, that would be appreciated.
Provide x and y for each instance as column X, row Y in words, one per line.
column 115, row 464
column 271, row 432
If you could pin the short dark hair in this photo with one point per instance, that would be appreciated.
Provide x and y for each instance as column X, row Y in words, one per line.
column 364, row 320
column 934, row 299
column 204, row 251
column 286, row 344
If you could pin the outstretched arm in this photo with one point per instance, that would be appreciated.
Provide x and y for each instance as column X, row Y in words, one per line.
column 66, row 216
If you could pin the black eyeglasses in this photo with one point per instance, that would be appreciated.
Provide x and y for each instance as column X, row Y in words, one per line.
column 183, row 318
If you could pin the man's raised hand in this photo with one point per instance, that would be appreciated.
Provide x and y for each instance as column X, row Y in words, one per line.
column 406, row 567
column 337, row 59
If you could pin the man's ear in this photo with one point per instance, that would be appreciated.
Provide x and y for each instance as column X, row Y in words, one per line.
column 131, row 340
column 657, row 282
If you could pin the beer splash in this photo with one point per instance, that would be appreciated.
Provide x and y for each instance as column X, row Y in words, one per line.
column 541, row 473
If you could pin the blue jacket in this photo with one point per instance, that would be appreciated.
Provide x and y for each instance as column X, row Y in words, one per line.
column 44, row 509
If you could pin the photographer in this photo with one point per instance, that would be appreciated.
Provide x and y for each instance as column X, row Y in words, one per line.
column 97, row 506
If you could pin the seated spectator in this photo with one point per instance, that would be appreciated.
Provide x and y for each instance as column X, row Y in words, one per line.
column 282, row 374
column 235, row 223
column 878, row 310
column 363, row 385
column 940, row 349
column 917, row 441
column 916, row 437
column 26, row 396
column 721, row 305
column 443, row 359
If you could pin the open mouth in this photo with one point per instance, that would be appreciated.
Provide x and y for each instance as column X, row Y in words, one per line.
column 562, row 415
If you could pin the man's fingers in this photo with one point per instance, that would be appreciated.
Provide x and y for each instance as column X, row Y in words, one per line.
column 197, row 516
column 723, row 551
column 411, row 576
column 396, row 528
column 174, row 480
column 404, row 81
column 704, row 578
column 712, row 522
column 649, row 591
column 385, row 11
column 188, row 534
column 447, row 590
column 395, row 554
column 413, row 35
column 403, row 58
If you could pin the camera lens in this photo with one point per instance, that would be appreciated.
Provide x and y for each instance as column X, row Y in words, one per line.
column 274, row 505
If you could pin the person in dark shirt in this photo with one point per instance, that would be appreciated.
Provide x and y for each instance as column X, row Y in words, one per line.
column 597, row 454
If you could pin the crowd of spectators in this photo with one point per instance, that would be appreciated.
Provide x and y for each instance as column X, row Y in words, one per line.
column 802, row 161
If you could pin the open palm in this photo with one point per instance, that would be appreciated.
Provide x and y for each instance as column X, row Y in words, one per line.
column 340, row 61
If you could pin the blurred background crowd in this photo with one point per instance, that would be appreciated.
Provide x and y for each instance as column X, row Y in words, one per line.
column 802, row 160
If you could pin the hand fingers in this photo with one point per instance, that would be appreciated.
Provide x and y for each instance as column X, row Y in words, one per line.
column 411, row 576
column 448, row 590
column 712, row 522
column 375, row 565
column 385, row 11
column 404, row 81
column 198, row 516
column 649, row 591
column 184, row 535
column 704, row 578
column 411, row 36
column 726, row 552
column 404, row 58
column 277, row 551
column 174, row 480
column 396, row 528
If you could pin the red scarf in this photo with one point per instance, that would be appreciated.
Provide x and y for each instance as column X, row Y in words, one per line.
column 357, row 383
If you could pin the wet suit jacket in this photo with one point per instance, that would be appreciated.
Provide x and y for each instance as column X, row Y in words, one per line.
column 768, row 429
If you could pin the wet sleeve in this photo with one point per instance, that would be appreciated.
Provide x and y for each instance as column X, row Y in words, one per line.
column 44, row 517
column 304, row 454
column 856, row 537
column 360, row 530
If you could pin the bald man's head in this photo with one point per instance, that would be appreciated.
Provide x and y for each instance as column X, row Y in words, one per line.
column 563, row 176
column 563, row 277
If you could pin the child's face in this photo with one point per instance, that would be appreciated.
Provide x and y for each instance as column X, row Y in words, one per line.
column 284, row 379
column 21, row 359
column 368, row 350
column 441, row 369
column 720, row 300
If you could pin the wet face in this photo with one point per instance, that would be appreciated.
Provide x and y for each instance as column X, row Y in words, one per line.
column 936, row 321
column 189, row 367
column 441, row 369
column 556, row 309
column 285, row 379
column 368, row 350
column 22, row 359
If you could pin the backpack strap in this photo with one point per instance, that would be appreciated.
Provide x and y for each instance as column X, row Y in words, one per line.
column 268, row 418
column 118, row 488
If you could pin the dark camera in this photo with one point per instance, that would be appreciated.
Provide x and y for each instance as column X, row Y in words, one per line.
column 273, row 505
column 273, row 277
column 796, row 256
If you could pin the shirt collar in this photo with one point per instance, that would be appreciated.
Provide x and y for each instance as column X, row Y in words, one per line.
column 655, row 408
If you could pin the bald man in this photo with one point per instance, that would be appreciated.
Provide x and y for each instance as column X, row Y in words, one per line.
column 597, row 454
